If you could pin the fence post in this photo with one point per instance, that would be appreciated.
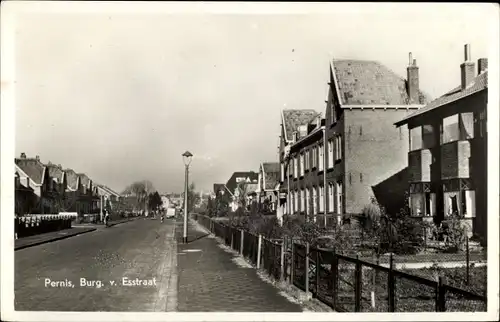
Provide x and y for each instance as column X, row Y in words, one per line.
column 232, row 235
column 282, row 260
column 334, row 269
column 467, row 259
column 391, row 285
column 441, row 296
column 306, row 286
column 242, row 233
column 318, row 266
column 259, row 250
column 357, row 285
column 292, row 264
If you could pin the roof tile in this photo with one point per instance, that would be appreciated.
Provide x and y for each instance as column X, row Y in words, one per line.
column 294, row 118
column 32, row 167
column 363, row 82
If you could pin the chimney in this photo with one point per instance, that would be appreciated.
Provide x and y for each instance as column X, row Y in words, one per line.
column 412, row 79
column 467, row 68
column 37, row 158
column 59, row 166
column 23, row 155
column 482, row 65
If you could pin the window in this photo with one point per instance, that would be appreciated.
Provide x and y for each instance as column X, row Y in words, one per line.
column 302, row 200
column 308, row 201
column 296, row 168
column 296, row 199
column 330, row 154
column 321, row 156
column 315, row 201
column 450, row 129
column 330, row 197
column 306, row 162
column 302, row 164
column 339, row 190
column 338, row 148
column 282, row 175
column 466, row 126
column 428, row 139
column 416, row 138
column 321, row 199
column 314, row 157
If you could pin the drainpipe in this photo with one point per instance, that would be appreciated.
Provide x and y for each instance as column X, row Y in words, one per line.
column 288, row 201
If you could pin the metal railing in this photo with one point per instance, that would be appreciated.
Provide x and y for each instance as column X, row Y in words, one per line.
column 346, row 283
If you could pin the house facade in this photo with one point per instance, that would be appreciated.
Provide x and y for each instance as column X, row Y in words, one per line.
column 107, row 197
column 355, row 153
column 74, row 192
column 25, row 197
column 60, row 183
column 267, row 189
column 447, row 155
column 32, row 173
column 241, row 186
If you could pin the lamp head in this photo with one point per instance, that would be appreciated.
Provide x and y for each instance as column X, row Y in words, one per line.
column 187, row 156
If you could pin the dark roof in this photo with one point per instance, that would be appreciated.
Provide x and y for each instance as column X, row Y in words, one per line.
column 72, row 178
column 32, row 167
column 478, row 84
column 107, row 189
column 363, row 82
column 232, row 184
column 271, row 174
column 292, row 119
column 84, row 179
column 218, row 187
column 55, row 172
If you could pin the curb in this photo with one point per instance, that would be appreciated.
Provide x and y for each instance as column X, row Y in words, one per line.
column 53, row 239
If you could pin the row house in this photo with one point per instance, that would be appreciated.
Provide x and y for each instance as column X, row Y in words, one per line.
column 337, row 164
column 107, row 197
column 33, row 174
column 447, row 155
column 268, row 183
column 54, row 189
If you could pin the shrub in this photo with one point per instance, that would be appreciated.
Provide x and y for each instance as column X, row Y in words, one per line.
column 454, row 233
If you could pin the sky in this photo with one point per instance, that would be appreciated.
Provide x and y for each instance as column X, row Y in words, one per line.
column 120, row 96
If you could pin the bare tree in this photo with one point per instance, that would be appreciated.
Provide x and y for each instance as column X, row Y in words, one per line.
column 140, row 190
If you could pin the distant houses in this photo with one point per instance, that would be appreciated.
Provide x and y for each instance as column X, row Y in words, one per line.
column 49, row 189
column 336, row 162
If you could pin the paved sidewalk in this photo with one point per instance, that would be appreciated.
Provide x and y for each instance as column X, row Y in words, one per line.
column 211, row 280
column 49, row 237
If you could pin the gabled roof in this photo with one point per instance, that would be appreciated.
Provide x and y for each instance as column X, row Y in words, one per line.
column 72, row 178
column 107, row 190
column 56, row 172
column 33, row 168
column 479, row 83
column 85, row 180
column 271, row 172
column 251, row 175
column 364, row 82
column 292, row 119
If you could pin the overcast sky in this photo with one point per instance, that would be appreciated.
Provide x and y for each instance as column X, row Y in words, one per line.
column 120, row 97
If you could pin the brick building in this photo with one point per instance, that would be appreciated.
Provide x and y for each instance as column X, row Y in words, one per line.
column 448, row 151
column 268, row 183
column 338, row 163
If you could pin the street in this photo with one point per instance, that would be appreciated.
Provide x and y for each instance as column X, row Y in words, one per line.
column 143, row 250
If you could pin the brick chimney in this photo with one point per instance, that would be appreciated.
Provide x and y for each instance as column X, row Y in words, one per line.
column 412, row 79
column 482, row 65
column 467, row 68
column 23, row 155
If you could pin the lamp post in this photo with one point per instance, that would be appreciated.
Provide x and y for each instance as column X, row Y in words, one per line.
column 187, row 160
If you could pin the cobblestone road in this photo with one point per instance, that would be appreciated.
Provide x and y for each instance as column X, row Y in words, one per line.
column 143, row 249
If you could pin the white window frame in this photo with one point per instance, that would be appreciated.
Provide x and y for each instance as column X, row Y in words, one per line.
column 295, row 168
column 331, row 197
column 315, row 201
column 339, row 197
column 302, row 164
column 307, row 160
column 302, row 204
column 321, row 156
column 330, row 154
column 321, row 199
column 282, row 176
column 338, row 148
column 296, row 201
column 308, row 202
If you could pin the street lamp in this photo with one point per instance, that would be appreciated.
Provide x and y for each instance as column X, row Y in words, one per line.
column 187, row 160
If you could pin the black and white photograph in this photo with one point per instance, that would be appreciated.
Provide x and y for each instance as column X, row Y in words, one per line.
column 208, row 161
